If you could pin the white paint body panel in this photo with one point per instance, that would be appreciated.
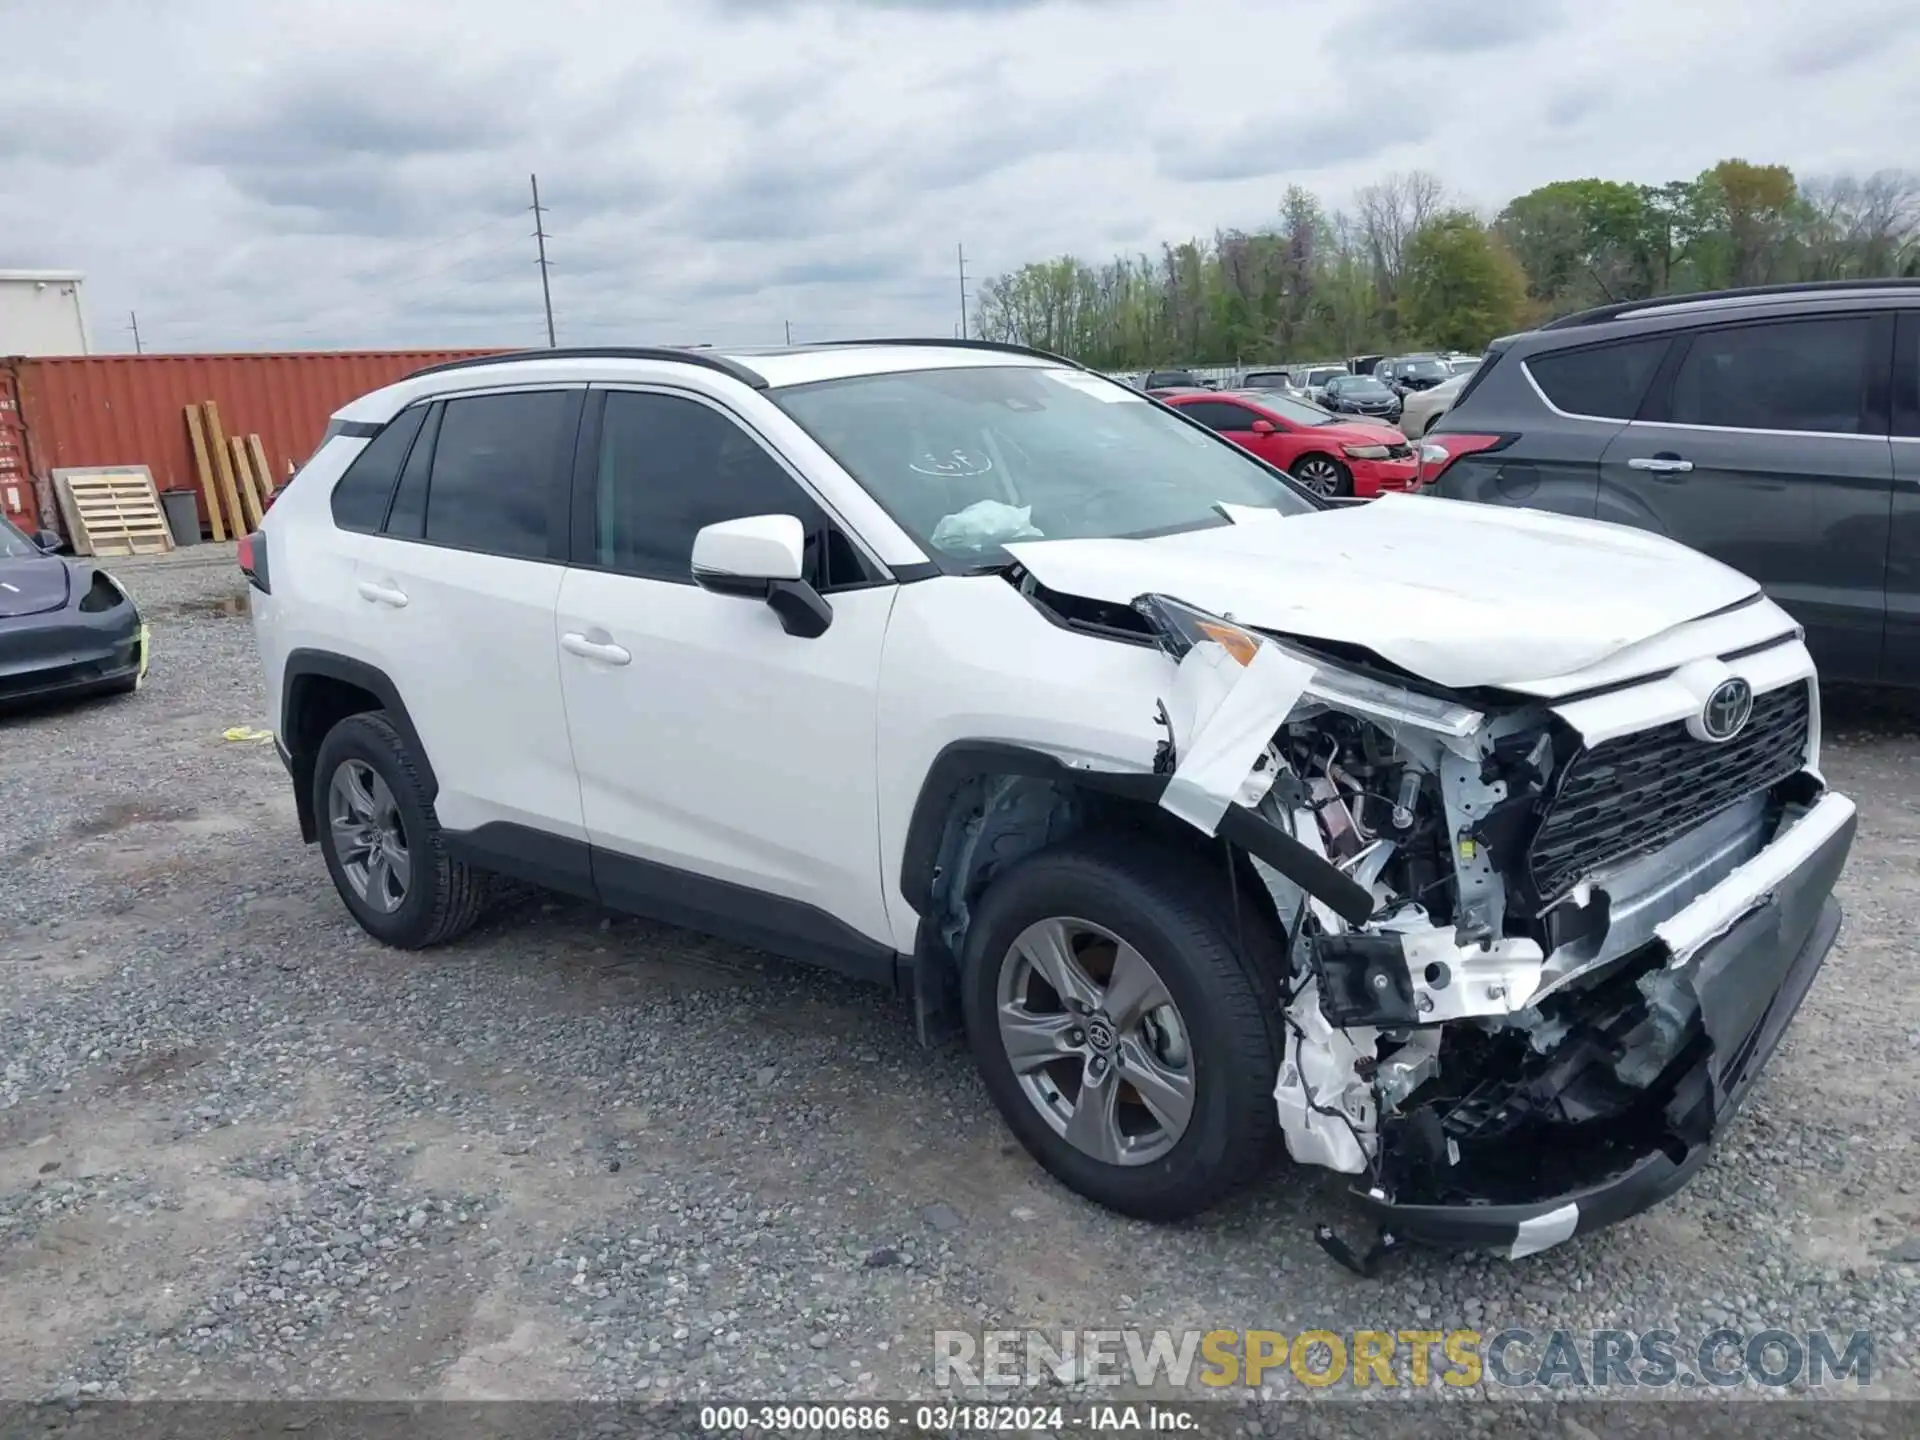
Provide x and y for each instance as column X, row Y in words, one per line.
column 726, row 746
column 473, row 650
column 1462, row 594
column 967, row 658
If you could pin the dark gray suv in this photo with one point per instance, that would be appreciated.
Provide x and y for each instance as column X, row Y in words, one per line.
column 1776, row 429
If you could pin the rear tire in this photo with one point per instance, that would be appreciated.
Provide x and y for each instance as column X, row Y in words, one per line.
column 1172, row 913
column 367, row 794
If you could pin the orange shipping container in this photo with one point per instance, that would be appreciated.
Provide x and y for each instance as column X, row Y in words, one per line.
column 57, row 411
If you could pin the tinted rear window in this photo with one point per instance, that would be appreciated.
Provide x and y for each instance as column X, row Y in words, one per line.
column 360, row 496
column 1605, row 380
column 1796, row 375
column 493, row 472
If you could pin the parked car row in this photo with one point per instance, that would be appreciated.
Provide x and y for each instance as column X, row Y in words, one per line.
column 1402, row 376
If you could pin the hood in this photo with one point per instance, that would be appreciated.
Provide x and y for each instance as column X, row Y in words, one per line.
column 1462, row 594
column 1357, row 432
column 32, row 583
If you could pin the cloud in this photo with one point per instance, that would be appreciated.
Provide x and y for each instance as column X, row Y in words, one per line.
column 1572, row 105
column 52, row 128
column 1282, row 144
column 1452, row 27
column 925, row 6
column 1841, row 47
column 275, row 175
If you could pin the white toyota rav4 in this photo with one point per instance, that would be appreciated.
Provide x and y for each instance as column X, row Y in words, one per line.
column 1478, row 853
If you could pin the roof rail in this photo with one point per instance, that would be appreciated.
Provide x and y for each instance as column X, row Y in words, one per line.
column 705, row 359
column 1600, row 314
column 934, row 342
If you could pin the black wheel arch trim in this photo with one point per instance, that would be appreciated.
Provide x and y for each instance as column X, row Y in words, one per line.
column 965, row 760
column 304, row 665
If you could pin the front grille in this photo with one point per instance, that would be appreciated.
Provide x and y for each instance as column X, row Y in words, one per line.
column 1631, row 795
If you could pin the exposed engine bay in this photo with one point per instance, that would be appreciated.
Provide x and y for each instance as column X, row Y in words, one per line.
column 1509, row 1015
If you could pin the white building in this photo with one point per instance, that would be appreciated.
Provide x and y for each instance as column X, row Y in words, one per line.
column 40, row 313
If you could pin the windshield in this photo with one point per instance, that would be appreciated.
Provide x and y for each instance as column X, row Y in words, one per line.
column 969, row 460
column 1321, row 377
column 1362, row 385
column 1287, row 408
column 1424, row 369
column 14, row 545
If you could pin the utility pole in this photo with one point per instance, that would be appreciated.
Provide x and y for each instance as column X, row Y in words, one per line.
column 789, row 325
column 136, row 331
column 961, row 249
column 540, row 236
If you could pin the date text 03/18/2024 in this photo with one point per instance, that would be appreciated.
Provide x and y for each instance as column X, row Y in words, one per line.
column 945, row 1418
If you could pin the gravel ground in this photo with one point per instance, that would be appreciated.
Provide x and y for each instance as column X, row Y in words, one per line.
column 245, row 1152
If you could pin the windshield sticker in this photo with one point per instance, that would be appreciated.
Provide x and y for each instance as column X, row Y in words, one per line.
column 1110, row 391
column 956, row 464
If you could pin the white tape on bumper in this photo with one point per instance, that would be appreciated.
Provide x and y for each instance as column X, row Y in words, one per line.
column 1543, row 1232
column 1224, row 715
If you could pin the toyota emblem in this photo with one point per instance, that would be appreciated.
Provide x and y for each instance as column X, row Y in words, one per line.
column 1727, row 710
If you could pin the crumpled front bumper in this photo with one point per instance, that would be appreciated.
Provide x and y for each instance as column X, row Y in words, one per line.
column 1749, row 948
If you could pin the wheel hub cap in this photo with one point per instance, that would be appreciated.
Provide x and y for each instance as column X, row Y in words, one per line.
column 1095, row 1041
column 369, row 837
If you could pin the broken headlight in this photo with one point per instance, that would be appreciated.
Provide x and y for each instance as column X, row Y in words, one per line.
column 1180, row 626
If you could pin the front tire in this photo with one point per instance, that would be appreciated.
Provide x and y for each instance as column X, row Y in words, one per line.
column 1323, row 475
column 382, row 840
column 1129, row 1045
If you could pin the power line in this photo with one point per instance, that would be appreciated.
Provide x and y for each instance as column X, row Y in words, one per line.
column 540, row 237
column 369, row 272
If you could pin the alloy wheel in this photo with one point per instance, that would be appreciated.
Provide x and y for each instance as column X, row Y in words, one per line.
column 369, row 836
column 1095, row 1041
column 1319, row 475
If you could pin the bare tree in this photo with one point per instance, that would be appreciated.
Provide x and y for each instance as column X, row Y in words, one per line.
column 1861, row 227
column 1390, row 212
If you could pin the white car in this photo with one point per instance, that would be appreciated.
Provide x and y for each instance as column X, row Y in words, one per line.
column 1480, row 854
column 1421, row 408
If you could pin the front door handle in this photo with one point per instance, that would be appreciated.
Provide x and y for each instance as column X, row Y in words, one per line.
column 1663, row 464
column 606, row 652
column 383, row 594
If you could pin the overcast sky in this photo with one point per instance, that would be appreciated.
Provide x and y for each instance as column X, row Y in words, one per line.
column 272, row 175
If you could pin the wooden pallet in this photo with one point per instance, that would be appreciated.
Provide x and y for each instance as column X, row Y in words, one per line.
column 203, row 467
column 112, row 510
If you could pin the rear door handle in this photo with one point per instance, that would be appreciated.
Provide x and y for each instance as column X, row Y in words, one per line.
column 1660, row 464
column 383, row 594
column 606, row 652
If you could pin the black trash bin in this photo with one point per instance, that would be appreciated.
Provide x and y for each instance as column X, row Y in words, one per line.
column 183, row 515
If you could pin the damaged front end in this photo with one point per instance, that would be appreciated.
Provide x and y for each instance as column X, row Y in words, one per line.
column 1536, row 960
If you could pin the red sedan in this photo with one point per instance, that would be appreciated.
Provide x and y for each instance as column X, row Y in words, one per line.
column 1329, row 454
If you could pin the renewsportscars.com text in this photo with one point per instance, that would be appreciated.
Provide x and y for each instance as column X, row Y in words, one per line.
column 1416, row 1359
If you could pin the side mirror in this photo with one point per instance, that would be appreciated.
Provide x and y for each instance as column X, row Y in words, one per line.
column 47, row 540
column 763, row 557
column 1263, row 427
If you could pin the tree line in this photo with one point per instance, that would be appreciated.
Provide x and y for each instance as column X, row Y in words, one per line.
column 1408, row 268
